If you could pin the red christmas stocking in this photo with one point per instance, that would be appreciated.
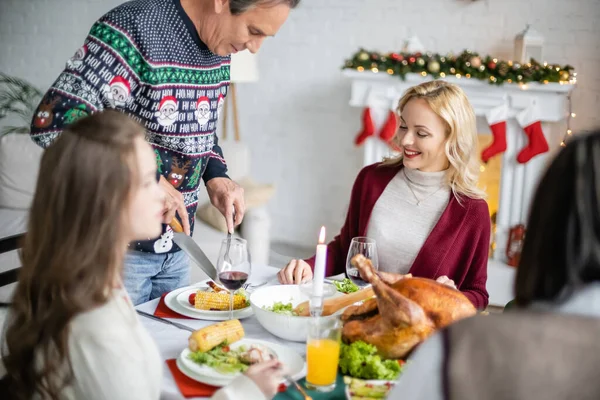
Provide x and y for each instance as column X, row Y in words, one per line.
column 368, row 127
column 496, row 118
column 530, row 122
column 498, row 144
column 388, row 131
column 537, row 142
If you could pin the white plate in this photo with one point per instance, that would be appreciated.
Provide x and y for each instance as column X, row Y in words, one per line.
column 178, row 302
column 292, row 361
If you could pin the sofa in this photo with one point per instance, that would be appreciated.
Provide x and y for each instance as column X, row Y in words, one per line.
column 19, row 163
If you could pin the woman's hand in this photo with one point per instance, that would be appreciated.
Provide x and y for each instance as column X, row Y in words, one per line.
column 267, row 376
column 295, row 272
column 446, row 281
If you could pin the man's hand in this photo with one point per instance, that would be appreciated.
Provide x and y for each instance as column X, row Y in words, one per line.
column 228, row 197
column 174, row 204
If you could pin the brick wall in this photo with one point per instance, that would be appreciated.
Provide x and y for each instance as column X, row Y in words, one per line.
column 296, row 119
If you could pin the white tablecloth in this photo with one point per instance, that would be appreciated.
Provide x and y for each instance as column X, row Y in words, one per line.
column 171, row 340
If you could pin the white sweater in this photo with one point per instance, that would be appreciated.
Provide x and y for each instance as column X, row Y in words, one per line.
column 400, row 223
column 114, row 357
column 112, row 354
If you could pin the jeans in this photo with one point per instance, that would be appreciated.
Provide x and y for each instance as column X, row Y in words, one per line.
column 149, row 275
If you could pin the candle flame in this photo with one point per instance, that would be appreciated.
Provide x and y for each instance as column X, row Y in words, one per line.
column 322, row 235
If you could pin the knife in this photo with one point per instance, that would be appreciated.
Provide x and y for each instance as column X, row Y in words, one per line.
column 191, row 248
column 166, row 321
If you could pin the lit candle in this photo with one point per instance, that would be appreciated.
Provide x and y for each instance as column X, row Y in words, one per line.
column 320, row 260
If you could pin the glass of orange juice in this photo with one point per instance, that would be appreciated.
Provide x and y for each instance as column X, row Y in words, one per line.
column 323, row 352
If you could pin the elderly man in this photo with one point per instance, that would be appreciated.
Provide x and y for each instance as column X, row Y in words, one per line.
column 166, row 64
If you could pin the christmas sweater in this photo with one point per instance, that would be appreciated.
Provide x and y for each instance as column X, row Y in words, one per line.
column 145, row 58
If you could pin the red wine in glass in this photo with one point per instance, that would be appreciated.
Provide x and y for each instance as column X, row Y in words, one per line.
column 233, row 280
column 354, row 276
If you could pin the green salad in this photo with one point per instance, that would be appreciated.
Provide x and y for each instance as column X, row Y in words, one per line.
column 360, row 360
column 222, row 358
column 282, row 308
column 346, row 286
column 363, row 390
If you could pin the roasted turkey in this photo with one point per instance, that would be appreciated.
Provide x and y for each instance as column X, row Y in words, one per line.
column 406, row 310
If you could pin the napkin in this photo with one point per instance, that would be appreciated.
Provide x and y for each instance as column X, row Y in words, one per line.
column 165, row 312
column 191, row 388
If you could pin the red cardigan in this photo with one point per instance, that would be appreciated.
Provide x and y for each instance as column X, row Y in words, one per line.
column 457, row 246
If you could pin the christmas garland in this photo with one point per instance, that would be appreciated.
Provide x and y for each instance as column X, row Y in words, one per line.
column 468, row 64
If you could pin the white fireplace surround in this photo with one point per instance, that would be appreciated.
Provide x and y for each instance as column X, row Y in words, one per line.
column 381, row 92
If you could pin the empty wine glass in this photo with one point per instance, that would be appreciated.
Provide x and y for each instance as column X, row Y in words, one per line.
column 234, row 272
column 367, row 247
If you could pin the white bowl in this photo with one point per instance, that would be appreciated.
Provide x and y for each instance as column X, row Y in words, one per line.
column 287, row 327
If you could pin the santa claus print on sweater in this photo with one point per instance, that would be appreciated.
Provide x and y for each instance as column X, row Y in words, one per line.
column 203, row 110
column 167, row 113
column 77, row 59
column 118, row 92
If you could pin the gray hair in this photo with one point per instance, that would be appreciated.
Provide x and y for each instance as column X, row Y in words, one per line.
column 238, row 7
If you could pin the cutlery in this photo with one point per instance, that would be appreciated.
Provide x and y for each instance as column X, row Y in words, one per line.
column 166, row 321
column 191, row 248
column 298, row 387
column 226, row 257
column 254, row 285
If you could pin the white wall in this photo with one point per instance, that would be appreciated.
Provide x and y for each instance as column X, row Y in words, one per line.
column 296, row 119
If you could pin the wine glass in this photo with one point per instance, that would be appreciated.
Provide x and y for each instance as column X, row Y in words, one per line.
column 368, row 248
column 234, row 270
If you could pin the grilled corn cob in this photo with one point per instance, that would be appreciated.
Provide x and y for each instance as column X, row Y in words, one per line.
column 217, row 301
column 208, row 338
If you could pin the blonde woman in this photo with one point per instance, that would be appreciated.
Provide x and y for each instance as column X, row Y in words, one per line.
column 423, row 207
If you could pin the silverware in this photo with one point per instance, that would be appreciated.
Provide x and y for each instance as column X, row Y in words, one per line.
column 254, row 285
column 226, row 257
column 166, row 321
column 298, row 387
column 191, row 248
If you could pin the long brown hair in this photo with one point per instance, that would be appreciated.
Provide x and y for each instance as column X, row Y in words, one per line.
column 73, row 249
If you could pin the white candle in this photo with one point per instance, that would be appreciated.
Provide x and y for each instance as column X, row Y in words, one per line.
column 320, row 261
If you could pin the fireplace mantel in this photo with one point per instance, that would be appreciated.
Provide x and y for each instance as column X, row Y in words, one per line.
column 381, row 92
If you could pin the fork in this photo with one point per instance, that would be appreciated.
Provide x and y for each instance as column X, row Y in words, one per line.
column 253, row 285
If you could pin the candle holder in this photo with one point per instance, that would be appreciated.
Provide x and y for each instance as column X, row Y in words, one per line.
column 316, row 306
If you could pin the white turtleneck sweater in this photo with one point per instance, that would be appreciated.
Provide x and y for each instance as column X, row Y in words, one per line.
column 404, row 216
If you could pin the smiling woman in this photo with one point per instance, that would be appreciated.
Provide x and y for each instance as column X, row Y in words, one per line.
column 423, row 208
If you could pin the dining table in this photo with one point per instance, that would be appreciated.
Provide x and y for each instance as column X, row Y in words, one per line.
column 172, row 340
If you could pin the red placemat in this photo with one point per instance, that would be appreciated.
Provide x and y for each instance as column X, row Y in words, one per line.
column 191, row 388
column 165, row 312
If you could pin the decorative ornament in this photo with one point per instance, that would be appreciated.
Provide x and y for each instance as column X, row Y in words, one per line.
column 475, row 61
column 468, row 65
column 503, row 69
column 363, row 56
column 433, row 66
